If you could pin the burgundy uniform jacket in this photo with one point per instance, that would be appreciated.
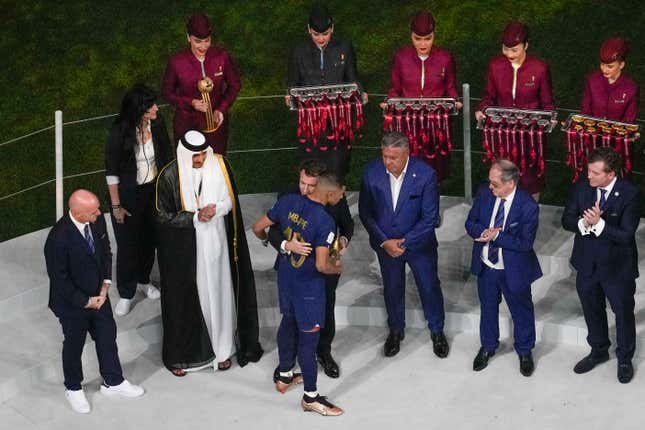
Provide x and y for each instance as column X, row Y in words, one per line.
column 616, row 102
column 179, row 87
column 437, row 72
column 533, row 88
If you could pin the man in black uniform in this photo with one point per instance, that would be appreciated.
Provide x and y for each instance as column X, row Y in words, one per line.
column 324, row 60
column 310, row 170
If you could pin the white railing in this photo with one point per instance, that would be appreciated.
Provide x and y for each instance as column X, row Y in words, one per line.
column 59, row 125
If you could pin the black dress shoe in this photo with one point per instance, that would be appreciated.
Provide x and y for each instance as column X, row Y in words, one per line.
column 329, row 365
column 526, row 364
column 589, row 362
column 481, row 360
column 440, row 344
column 625, row 372
column 393, row 344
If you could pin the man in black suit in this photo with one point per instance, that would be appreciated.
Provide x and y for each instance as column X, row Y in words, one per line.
column 79, row 265
column 602, row 210
column 309, row 172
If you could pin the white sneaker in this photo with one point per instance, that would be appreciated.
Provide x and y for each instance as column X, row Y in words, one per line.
column 77, row 401
column 124, row 389
column 123, row 307
column 150, row 290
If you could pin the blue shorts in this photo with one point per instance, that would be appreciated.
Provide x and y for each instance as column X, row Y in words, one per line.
column 304, row 299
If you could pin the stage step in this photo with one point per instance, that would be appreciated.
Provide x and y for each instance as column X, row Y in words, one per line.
column 31, row 335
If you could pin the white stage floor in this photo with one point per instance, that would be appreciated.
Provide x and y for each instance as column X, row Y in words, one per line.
column 415, row 388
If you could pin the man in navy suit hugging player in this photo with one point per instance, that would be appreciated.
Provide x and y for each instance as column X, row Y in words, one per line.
column 503, row 222
column 79, row 265
column 602, row 210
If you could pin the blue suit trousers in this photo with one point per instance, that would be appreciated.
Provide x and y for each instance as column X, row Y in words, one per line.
column 491, row 285
column 424, row 269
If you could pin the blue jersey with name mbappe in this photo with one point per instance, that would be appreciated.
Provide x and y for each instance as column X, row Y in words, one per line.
column 309, row 222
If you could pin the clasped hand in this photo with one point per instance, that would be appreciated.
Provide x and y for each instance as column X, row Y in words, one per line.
column 394, row 247
column 206, row 213
column 592, row 215
column 488, row 235
column 95, row 302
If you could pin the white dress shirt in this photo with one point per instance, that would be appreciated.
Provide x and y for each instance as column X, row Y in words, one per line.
column 600, row 225
column 396, row 183
column 507, row 206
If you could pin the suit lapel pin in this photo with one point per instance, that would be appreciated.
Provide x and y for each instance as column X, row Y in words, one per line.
column 414, row 175
column 616, row 194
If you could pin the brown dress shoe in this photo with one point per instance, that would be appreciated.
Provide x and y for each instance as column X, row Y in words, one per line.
column 283, row 383
column 320, row 405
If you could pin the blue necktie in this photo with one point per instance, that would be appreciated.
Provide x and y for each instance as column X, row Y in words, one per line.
column 603, row 200
column 322, row 60
column 89, row 239
column 493, row 255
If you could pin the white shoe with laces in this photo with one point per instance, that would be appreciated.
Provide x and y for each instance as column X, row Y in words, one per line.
column 150, row 291
column 124, row 389
column 123, row 307
column 78, row 401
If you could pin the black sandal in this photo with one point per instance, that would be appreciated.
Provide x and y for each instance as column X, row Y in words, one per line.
column 224, row 365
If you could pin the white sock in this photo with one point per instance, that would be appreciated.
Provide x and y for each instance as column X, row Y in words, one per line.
column 288, row 374
column 311, row 394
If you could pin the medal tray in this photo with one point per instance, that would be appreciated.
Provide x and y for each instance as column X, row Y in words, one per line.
column 318, row 93
column 428, row 103
column 631, row 130
column 545, row 118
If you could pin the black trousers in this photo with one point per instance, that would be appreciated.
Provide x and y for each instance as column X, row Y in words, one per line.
column 136, row 241
column 328, row 332
column 620, row 294
column 100, row 324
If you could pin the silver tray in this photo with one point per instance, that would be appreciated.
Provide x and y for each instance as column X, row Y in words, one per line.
column 546, row 118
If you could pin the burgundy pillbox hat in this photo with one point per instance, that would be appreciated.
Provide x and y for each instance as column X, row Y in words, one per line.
column 614, row 49
column 515, row 33
column 199, row 26
column 422, row 23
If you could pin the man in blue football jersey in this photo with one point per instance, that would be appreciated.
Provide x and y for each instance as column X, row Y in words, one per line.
column 301, row 284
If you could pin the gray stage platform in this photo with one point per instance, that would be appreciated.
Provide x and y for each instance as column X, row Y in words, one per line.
column 31, row 338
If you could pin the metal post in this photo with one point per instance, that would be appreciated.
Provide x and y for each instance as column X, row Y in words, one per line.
column 468, row 180
column 58, row 121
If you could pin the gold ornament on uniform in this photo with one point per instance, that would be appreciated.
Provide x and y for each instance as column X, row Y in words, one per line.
column 334, row 251
column 205, row 86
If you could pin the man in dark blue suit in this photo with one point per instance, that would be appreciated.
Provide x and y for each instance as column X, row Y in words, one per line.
column 79, row 265
column 602, row 210
column 503, row 222
column 399, row 206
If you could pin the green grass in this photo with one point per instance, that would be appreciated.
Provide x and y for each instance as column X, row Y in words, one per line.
column 81, row 57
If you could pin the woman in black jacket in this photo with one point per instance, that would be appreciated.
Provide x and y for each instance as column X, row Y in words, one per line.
column 137, row 149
